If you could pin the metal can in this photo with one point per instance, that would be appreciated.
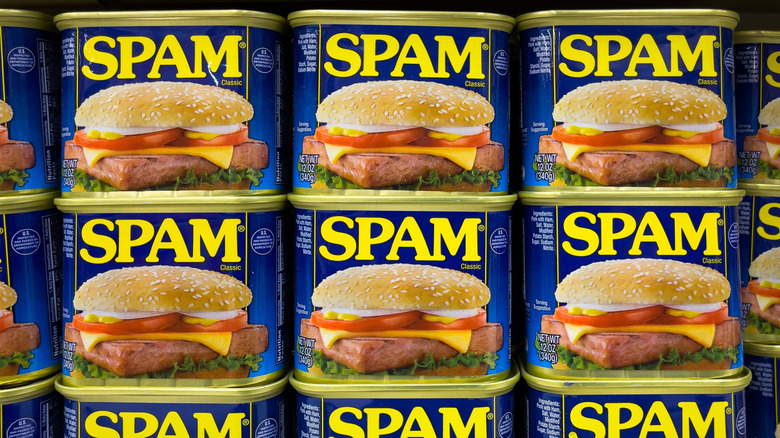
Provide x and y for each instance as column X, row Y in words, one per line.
column 627, row 98
column 174, row 100
column 183, row 291
column 30, row 288
column 32, row 410
column 29, row 103
column 248, row 411
column 372, row 97
column 631, row 286
column 763, row 415
column 634, row 408
column 405, row 409
column 397, row 288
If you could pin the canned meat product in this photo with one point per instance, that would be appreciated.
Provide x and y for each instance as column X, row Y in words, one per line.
column 186, row 291
column 763, row 416
column 633, row 408
column 249, row 411
column 406, row 409
column 32, row 410
column 757, row 74
column 400, row 101
column 30, row 91
column 174, row 100
column 392, row 287
column 632, row 286
column 640, row 98
column 30, row 288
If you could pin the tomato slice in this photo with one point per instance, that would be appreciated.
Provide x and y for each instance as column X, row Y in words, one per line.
column 611, row 319
column 226, row 325
column 6, row 319
column 470, row 323
column 3, row 135
column 608, row 138
column 129, row 142
column 466, row 141
column 765, row 291
column 232, row 139
column 368, row 324
column 149, row 324
column 763, row 134
column 703, row 138
column 374, row 140
column 714, row 317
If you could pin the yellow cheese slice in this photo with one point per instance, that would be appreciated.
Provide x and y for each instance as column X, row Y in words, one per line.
column 463, row 157
column 773, row 149
column 764, row 302
column 219, row 155
column 457, row 339
column 218, row 341
column 704, row 334
column 698, row 153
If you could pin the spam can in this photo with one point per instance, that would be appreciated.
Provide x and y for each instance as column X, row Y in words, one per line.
column 631, row 286
column 640, row 98
column 758, row 105
column 763, row 416
column 406, row 409
column 259, row 411
column 397, row 288
column 30, row 90
column 183, row 292
column 400, row 101
column 31, row 410
column 30, row 288
column 174, row 100
column 633, row 408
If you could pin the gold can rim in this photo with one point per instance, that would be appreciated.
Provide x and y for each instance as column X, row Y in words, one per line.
column 31, row 19
column 762, row 349
column 760, row 189
column 398, row 202
column 408, row 18
column 756, row 36
column 693, row 17
column 619, row 196
column 28, row 391
column 167, row 18
column 209, row 204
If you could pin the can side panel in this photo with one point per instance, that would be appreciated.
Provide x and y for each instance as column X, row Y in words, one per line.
column 40, row 416
column 761, row 397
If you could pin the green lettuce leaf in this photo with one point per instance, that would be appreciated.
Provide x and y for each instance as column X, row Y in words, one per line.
column 769, row 170
column 715, row 354
column 710, row 173
column 331, row 367
column 231, row 362
column 474, row 176
column 19, row 177
column 762, row 326
column 190, row 180
column 24, row 360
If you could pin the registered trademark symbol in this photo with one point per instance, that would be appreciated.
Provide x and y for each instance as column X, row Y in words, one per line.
column 241, row 228
column 716, row 45
column 490, row 416
column 728, row 410
column 481, row 228
column 242, row 45
column 485, row 47
column 245, row 422
column 720, row 222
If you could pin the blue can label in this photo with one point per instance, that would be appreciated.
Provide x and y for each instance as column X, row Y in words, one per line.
column 761, row 397
column 39, row 416
column 757, row 85
column 191, row 108
column 29, row 109
column 632, row 288
column 402, row 293
column 441, row 121
column 598, row 105
column 184, row 295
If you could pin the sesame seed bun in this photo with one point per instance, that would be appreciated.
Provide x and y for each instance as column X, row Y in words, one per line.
column 640, row 102
column 766, row 265
column 7, row 296
column 770, row 114
column 6, row 113
column 162, row 289
column 401, row 287
column 163, row 104
column 405, row 103
column 643, row 281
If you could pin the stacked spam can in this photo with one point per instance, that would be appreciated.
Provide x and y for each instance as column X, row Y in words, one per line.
column 757, row 69
column 174, row 223
column 630, row 233
column 402, row 224
column 30, row 231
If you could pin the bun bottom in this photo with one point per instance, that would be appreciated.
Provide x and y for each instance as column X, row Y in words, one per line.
column 219, row 373
column 10, row 370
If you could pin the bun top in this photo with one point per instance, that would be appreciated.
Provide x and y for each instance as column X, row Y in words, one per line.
column 6, row 113
column 766, row 265
column 163, row 105
column 7, row 296
column 643, row 281
column 401, row 287
column 770, row 114
column 162, row 289
column 640, row 102
column 405, row 103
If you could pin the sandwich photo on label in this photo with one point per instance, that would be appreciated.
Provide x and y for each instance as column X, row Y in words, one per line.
column 644, row 314
column 640, row 133
column 165, row 136
column 763, row 294
column 164, row 322
column 405, row 135
column 15, row 156
column 767, row 141
column 17, row 340
column 402, row 319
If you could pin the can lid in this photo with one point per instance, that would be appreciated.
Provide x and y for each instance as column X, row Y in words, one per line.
column 628, row 17
column 26, row 392
column 408, row 18
column 21, row 203
column 20, row 18
column 175, row 202
column 756, row 36
column 227, row 17
column 760, row 188
column 632, row 196
column 391, row 201
column 761, row 349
